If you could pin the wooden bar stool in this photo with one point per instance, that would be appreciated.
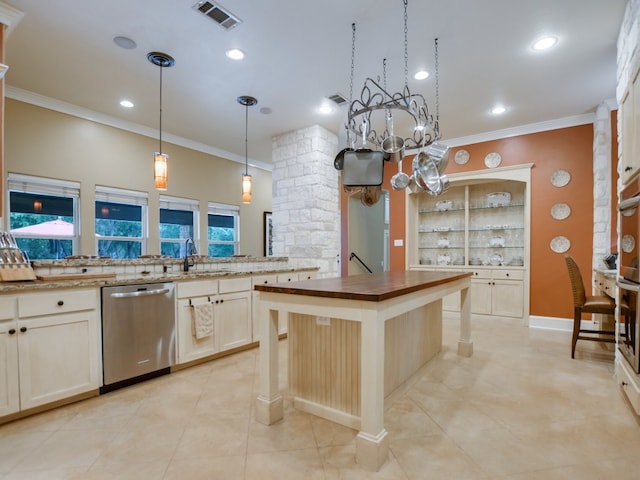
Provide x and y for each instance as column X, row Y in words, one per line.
column 583, row 303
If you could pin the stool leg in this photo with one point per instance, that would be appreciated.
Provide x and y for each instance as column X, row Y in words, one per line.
column 577, row 317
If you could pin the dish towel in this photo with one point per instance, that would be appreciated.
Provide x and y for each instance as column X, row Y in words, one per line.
column 202, row 320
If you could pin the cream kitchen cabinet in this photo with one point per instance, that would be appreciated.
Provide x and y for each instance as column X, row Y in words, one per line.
column 233, row 313
column 629, row 117
column 497, row 292
column 57, row 342
column 481, row 224
column 231, row 299
column 9, row 385
column 189, row 294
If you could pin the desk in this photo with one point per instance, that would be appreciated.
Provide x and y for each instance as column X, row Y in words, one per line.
column 360, row 311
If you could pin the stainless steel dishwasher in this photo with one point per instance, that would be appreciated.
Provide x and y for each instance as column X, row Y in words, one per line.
column 138, row 333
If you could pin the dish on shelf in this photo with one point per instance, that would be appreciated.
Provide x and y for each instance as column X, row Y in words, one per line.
column 443, row 242
column 459, row 261
column 560, row 178
column 443, row 259
column 441, row 229
column 628, row 243
column 475, row 261
column 461, row 157
column 498, row 199
column 496, row 241
column 516, row 262
column 425, row 261
column 496, row 227
column 560, row 211
column 444, row 205
column 495, row 259
column 560, row 244
column 492, row 160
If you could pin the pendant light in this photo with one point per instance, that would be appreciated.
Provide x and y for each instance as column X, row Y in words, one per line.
column 160, row 160
column 247, row 101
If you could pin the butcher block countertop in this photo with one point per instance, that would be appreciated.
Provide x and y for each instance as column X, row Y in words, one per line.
column 376, row 287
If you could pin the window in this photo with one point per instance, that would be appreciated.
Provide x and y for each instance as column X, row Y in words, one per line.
column 223, row 239
column 178, row 222
column 43, row 216
column 121, row 223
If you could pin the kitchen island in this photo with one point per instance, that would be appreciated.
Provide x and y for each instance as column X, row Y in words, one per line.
column 352, row 342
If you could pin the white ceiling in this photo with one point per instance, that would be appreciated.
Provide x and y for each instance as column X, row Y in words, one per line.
column 299, row 52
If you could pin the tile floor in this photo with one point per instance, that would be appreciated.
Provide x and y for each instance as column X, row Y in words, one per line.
column 519, row 409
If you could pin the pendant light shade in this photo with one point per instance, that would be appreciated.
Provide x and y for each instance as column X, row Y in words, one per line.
column 160, row 160
column 247, row 186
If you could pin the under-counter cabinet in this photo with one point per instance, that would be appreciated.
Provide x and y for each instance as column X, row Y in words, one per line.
column 480, row 225
column 231, row 300
column 9, row 386
column 497, row 292
column 52, row 345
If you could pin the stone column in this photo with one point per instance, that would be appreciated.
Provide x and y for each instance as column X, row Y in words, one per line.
column 306, row 200
column 602, row 194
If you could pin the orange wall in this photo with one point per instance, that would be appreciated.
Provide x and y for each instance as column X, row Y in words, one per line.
column 569, row 149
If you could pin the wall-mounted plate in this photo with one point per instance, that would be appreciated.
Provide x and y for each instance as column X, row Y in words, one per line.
column 461, row 157
column 560, row 244
column 492, row 160
column 560, row 178
column 560, row 211
column 628, row 243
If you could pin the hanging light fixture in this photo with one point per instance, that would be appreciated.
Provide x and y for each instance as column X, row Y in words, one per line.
column 160, row 160
column 247, row 187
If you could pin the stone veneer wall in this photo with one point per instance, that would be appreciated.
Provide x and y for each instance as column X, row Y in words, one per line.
column 306, row 200
column 602, row 195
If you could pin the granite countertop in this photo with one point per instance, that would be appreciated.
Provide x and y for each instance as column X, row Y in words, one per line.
column 37, row 285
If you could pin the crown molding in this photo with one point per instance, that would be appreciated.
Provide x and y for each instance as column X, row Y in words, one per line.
column 86, row 114
column 9, row 16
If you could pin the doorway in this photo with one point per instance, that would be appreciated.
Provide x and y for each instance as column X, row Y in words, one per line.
column 368, row 235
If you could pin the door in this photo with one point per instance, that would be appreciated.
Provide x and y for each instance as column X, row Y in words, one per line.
column 368, row 235
column 9, row 387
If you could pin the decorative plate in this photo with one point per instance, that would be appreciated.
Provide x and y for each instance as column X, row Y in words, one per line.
column 628, row 243
column 444, row 205
column 560, row 178
column 560, row 244
column 498, row 199
column 560, row 211
column 461, row 157
column 443, row 259
column 492, row 160
column 495, row 259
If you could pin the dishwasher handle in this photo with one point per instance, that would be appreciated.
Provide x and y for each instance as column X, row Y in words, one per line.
column 140, row 293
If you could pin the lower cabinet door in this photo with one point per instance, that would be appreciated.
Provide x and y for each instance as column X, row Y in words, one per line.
column 508, row 298
column 189, row 346
column 233, row 320
column 481, row 290
column 58, row 357
column 9, row 386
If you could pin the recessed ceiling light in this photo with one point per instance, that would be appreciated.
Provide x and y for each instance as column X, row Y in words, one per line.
column 124, row 42
column 325, row 109
column 126, row 103
column 545, row 43
column 421, row 75
column 235, row 54
column 498, row 110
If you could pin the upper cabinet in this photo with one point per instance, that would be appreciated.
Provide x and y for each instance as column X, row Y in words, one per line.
column 629, row 117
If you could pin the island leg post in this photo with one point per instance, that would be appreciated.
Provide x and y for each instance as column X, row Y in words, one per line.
column 269, row 404
column 465, row 344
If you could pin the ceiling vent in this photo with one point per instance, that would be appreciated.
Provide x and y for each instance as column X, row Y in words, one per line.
column 338, row 98
column 218, row 14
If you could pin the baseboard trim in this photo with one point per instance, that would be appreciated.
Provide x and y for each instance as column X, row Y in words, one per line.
column 558, row 323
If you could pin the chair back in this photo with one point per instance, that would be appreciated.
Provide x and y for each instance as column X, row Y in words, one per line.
column 577, row 285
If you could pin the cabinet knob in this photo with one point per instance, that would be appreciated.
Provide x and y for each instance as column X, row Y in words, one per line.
column 222, row 301
column 506, row 274
column 624, row 384
column 60, row 303
column 266, row 281
column 627, row 169
column 11, row 331
column 23, row 329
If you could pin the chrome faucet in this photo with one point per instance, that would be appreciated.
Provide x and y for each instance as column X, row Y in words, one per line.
column 188, row 263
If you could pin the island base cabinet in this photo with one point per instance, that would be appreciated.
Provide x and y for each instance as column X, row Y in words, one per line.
column 56, row 357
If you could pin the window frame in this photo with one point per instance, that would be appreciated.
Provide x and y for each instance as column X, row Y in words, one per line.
column 167, row 202
column 50, row 187
column 230, row 210
column 122, row 196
